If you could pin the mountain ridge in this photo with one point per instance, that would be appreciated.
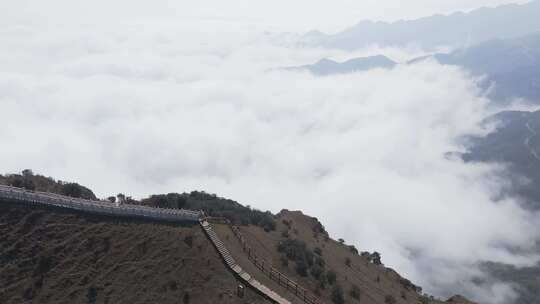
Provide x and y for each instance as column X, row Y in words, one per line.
column 453, row 30
column 325, row 66
column 40, row 280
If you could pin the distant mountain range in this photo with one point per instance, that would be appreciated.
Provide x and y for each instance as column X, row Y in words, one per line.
column 455, row 30
column 511, row 66
column 516, row 142
column 329, row 67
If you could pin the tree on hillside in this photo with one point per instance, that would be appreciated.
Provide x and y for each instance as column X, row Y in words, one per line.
column 27, row 173
column 22, row 182
column 91, row 295
column 301, row 267
column 337, row 295
column 376, row 258
column 355, row 292
column 186, row 299
column 170, row 200
column 72, row 189
column 331, row 277
column 323, row 281
column 389, row 299
column 317, row 271
column 320, row 261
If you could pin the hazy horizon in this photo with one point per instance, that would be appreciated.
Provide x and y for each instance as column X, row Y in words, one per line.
column 298, row 16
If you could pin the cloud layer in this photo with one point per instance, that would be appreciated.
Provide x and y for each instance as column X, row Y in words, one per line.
column 140, row 110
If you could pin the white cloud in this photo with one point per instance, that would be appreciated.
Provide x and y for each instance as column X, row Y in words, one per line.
column 141, row 110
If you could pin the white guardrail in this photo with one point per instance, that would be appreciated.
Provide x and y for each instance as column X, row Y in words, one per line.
column 101, row 207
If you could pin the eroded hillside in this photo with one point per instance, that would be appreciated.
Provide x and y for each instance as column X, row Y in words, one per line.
column 52, row 257
column 301, row 249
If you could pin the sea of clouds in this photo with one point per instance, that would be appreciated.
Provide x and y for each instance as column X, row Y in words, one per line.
column 151, row 109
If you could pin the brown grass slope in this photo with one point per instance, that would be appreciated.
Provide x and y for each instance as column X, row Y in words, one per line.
column 60, row 257
column 377, row 284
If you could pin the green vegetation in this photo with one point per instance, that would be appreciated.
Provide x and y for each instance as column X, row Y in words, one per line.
column 214, row 206
column 298, row 252
column 171, row 201
column 302, row 268
column 318, row 229
column 317, row 271
column 307, row 262
column 30, row 181
column 374, row 257
column 331, row 277
column 355, row 292
column 186, row 299
column 211, row 204
column 389, row 299
column 91, row 295
column 319, row 261
column 337, row 295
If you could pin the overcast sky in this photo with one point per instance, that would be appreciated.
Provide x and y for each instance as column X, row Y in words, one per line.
column 175, row 96
column 298, row 15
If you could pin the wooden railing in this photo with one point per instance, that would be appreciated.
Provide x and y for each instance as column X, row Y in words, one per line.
column 237, row 269
column 217, row 220
column 272, row 272
column 98, row 207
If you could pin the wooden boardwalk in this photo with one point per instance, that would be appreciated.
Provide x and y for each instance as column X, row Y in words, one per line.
column 97, row 207
column 231, row 263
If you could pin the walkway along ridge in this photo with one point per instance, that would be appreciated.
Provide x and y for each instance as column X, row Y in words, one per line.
column 231, row 264
column 267, row 268
column 97, row 207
